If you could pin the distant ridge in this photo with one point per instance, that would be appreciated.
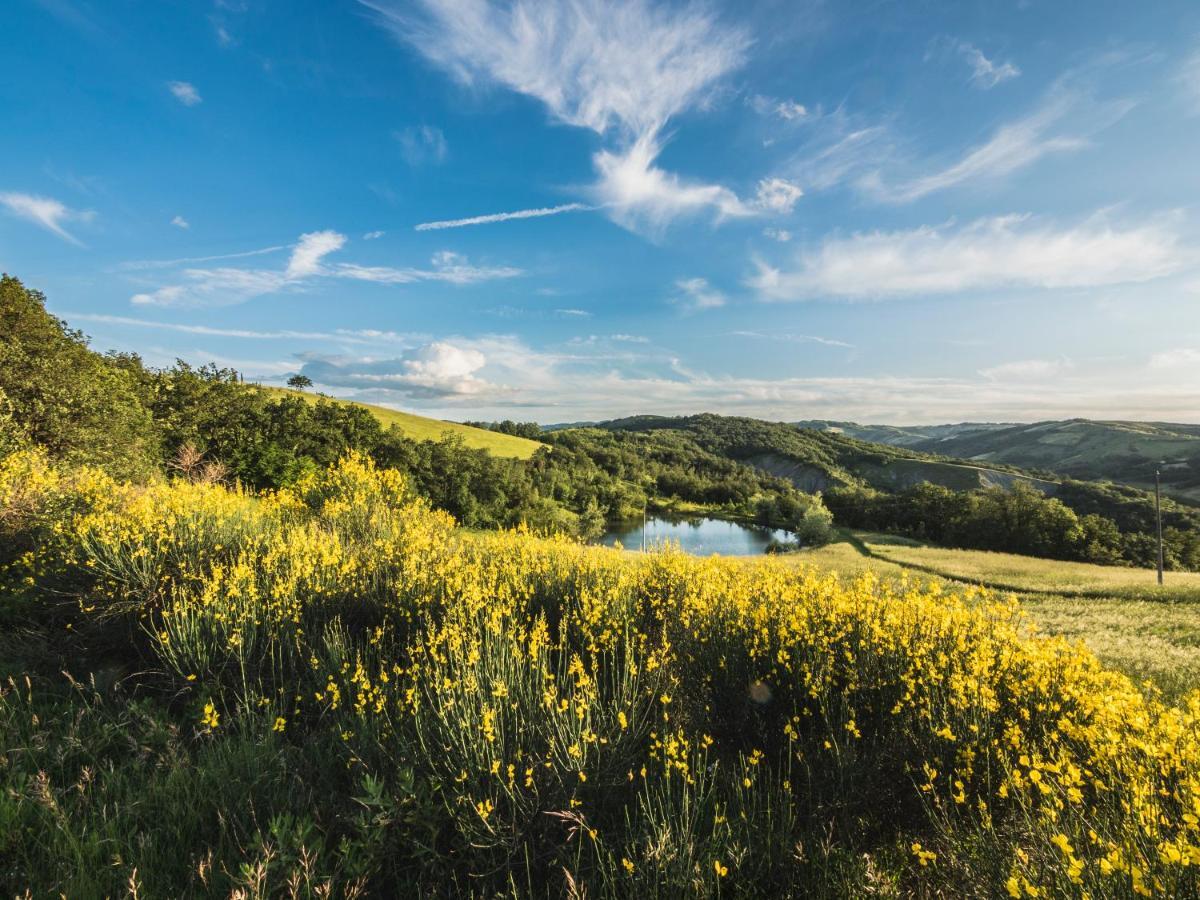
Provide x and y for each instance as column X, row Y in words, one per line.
column 1121, row 451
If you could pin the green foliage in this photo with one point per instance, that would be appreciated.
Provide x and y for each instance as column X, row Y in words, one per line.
column 79, row 405
column 1016, row 520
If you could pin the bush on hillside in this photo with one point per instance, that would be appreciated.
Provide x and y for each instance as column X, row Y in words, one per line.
column 330, row 690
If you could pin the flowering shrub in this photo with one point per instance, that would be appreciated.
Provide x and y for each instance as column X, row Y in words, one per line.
column 534, row 716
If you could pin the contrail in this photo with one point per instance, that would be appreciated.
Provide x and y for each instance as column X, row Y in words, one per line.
column 504, row 217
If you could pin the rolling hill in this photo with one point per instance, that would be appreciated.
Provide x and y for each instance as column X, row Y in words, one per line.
column 1120, row 451
column 817, row 460
column 423, row 428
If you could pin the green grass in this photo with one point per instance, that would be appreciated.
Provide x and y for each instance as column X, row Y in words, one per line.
column 423, row 428
column 1150, row 633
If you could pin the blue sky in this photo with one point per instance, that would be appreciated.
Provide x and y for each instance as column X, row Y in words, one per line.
column 885, row 211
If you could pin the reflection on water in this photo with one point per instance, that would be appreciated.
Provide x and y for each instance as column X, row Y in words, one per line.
column 701, row 537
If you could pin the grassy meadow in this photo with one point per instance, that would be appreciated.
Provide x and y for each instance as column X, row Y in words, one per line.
column 330, row 690
column 423, row 428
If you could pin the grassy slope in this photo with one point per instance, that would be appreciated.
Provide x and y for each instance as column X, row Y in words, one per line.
column 1119, row 613
column 422, row 428
column 1125, row 452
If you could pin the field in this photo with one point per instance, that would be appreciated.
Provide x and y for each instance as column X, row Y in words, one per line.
column 1119, row 613
column 330, row 690
column 422, row 428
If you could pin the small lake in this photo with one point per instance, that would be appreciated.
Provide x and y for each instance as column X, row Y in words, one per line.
column 700, row 537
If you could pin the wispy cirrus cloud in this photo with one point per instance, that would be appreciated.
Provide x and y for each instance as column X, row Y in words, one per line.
column 985, row 73
column 225, row 285
column 45, row 212
column 1064, row 122
column 1028, row 370
column 987, row 254
column 341, row 335
column 422, row 144
column 452, row 268
column 622, row 70
column 793, row 338
column 504, row 216
column 787, row 109
column 185, row 92
column 697, row 294
column 143, row 264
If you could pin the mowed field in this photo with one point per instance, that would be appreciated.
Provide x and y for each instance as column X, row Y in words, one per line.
column 423, row 428
column 1150, row 633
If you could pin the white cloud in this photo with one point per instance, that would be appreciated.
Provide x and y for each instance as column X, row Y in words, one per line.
column 422, row 144
column 1178, row 358
column 1062, row 123
column 441, row 370
column 778, row 234
column 225, row 285
column 350, row 336
column 787, row 109
column 840, row 148
column 373, row 235
column 573, row 313
column 621, row 69
column 791, row 338
column 596, row 64
column 986, row 73
column 777, row 195
column 214, row 287
column 184, row 92
column 141, row 264
column 993, row 253
column 503, row 217
column 586, row 384
column 310, row 250
column 1028, row 370
column 593, row 339
column 181, row 222
column 45, row 212
column 640, row 196
column 452, row 268
column 698, row 294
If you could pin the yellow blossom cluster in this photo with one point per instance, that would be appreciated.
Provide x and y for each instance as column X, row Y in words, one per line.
column 527, row 677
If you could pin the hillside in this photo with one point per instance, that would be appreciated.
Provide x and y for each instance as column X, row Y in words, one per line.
column 1080, row 448
column 818, row 460
column 423, row 428
column 1120, row 451
column 915, row 436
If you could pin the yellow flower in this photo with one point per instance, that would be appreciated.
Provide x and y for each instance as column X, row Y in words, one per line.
column 721, row 870
column 211, row 718
column 628, row 866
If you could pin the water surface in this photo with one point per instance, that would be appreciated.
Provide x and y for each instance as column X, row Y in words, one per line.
column 700, row 537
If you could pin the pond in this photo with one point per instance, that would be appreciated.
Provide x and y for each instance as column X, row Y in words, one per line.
column 700, row 536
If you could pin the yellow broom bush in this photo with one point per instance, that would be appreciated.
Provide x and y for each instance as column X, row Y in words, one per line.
column 576, row 718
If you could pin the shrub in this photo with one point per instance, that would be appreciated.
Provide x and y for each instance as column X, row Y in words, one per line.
column 504, row 714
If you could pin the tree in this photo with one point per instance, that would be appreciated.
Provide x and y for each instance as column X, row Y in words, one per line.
column 300, row 382
column 81, row 406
